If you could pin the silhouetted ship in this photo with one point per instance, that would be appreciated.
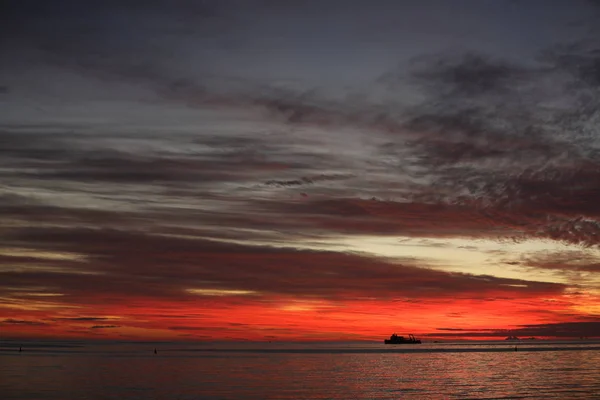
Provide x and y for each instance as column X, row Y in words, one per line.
column 395, row 339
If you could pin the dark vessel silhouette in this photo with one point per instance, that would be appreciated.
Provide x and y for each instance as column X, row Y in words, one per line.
column 395, row 339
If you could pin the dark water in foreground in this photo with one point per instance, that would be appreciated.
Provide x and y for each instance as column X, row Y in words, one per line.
column 80, row 370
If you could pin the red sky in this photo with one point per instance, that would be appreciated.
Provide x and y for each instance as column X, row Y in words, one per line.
column 252, row 171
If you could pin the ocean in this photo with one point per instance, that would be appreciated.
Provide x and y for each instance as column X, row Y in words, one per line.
column 466, row 370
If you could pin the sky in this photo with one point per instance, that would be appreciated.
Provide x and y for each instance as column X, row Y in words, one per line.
column 299, row 170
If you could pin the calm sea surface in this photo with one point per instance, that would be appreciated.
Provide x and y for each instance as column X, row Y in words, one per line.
column 492, row 370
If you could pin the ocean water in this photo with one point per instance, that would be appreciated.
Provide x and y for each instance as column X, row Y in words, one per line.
column 468, row 370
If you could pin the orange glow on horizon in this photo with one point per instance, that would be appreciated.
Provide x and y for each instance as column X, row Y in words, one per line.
column 289, row 319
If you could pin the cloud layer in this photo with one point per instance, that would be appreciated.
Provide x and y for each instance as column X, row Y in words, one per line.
column 171, row 173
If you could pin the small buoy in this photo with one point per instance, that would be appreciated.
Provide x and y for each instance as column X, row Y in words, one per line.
column 20, row 349
column 155, row 352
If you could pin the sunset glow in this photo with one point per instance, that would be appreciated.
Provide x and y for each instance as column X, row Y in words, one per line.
column 288, row 172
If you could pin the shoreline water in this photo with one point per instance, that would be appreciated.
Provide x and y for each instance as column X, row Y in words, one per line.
column 311, row 371
column 92, row 346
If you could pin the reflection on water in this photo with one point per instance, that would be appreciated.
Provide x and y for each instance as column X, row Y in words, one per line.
column 299, row 371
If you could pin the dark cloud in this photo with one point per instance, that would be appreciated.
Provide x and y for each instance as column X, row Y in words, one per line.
column 306, row 180
column 362, row 216
column 563, row 330
column 582, row 60
column 509, row 196
column 572, row 260
column 83, row 319
column 69, row 157
column 189, row 328
column 11, row 321
column 22, row 208
column 450, row 329
column 51, row 24
column 467, row 74
column 169, row 266
column 486, row 142
column 135, row 169
column 104, row 326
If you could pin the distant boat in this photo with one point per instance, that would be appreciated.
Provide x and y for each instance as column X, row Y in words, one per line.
column 395, row 339
column 512, row 338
